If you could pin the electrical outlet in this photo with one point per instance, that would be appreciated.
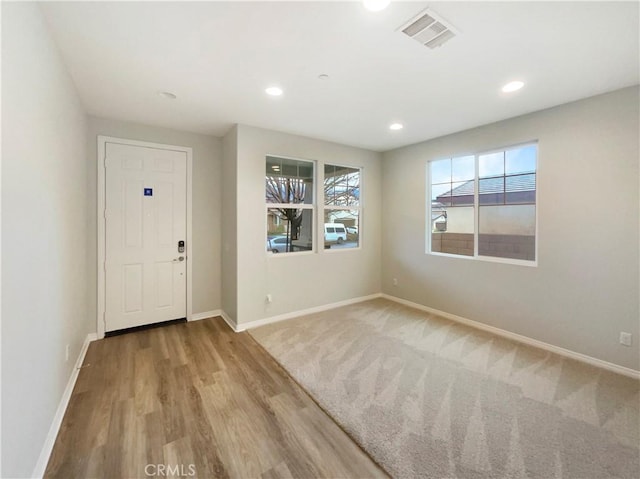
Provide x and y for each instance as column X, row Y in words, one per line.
column 395, row 281
column 625, row 338
column 66, row 353
column 268, row 299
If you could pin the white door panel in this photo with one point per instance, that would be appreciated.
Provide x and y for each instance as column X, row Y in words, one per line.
column 132, row 275
column 145, row 220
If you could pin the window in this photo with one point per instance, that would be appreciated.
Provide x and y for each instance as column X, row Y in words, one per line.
column 342, row 208
column 484, row 205
column 289, row 195
column 291, row 212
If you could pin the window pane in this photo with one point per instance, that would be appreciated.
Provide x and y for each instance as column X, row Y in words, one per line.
column 341, row 228
column 491, row 191
column 463, row 193
column 341, row 186
column 438, row 216
column 329, row 186
column 288, row 181
column 463, row 168
column 491, row 164
column 520, row 189
column 440, row 171
column 441, row 193
column 521, row 160
column 289, row 230
column 452, row 230
column 507, row 231
column 274, row 165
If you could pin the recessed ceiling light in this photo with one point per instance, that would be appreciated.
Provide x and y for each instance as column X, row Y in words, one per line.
column 512, row 86
column 323, row 76
column 167, row 94
column 396, row 126
column 274, row 91
column 376, row 5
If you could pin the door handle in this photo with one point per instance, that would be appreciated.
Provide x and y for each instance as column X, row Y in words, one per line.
column 178, row 259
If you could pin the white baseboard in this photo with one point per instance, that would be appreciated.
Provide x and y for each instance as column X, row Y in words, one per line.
column 459, row 319
column 45, row 453
column 522, row 339
column 205, row 315
column 214, row 314
column 230, row 321
column 303, row 312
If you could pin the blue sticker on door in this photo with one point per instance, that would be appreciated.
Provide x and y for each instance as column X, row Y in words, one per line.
column 148, row 192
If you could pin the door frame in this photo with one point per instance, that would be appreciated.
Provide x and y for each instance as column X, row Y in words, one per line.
column 100, row 213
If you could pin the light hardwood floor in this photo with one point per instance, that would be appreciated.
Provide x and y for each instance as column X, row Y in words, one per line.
column 196, row 400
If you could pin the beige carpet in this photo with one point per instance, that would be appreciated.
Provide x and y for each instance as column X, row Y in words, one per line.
column 427, row 397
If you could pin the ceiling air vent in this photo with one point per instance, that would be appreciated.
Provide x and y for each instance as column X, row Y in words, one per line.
column 429, row 29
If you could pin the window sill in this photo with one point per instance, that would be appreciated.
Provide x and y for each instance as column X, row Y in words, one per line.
column 340, row 250
column 488, row 259
column 290, row 254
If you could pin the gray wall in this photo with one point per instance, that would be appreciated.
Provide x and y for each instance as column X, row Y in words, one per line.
column 44, row 235
column 230, row 224
column 585, row 288
column 207, row 202
column 304, row 281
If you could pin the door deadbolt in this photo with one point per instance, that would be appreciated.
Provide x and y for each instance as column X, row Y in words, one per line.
column 181, row 246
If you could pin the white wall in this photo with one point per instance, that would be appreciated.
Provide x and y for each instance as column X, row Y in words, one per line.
column 44, row 234
column 230, row 224
column 585, row 288
column 207, row 201
column 300, row 281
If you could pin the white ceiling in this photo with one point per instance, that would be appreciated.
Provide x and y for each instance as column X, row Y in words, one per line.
column 218, row 57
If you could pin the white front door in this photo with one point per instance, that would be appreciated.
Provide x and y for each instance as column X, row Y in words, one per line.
column 145, row 221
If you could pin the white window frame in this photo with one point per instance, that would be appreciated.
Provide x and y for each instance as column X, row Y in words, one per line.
column 300, row 206
column 476, row 256
column 325, row 207
column 318, row 208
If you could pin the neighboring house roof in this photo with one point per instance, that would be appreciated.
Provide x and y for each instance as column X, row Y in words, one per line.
column 516, row 183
